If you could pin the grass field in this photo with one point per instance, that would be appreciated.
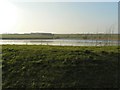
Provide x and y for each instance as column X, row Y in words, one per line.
column 32, row 66
column 61, row 36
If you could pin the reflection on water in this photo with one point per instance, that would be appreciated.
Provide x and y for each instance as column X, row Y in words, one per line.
column 60, row 42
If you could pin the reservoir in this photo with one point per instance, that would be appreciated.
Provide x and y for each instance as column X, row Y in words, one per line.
column 59, row 42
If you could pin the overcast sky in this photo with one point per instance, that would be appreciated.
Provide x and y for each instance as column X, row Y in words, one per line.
column 25, row 16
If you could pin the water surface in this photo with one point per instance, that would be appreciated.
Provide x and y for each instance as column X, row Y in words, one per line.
column 60, row 42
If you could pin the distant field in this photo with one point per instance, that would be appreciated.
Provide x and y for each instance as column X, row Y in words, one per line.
column 35, row 66
column 61, row 36
column 25, row 36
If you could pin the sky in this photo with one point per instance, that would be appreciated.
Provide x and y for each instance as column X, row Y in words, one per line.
column 26, row 16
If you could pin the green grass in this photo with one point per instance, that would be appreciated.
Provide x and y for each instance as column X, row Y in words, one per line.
column 34, row 66
column 26, row 36
column 61, row 36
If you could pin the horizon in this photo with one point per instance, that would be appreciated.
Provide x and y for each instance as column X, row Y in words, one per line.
column 64, row 33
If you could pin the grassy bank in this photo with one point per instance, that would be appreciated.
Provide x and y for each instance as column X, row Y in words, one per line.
column 59, row 67
column 61, row 36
